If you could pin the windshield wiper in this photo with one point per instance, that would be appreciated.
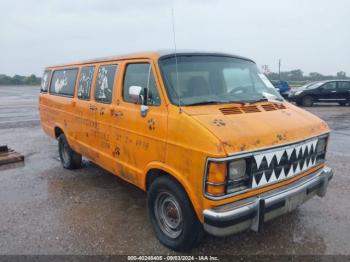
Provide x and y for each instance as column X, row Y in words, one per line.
column 218, row 102
column 265, row 100
column 258, row 100
column 206, row 103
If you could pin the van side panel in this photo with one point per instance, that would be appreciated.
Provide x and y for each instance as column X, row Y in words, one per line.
column 56, row 111
column 113, row 135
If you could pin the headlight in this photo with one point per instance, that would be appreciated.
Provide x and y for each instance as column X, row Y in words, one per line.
column 321, row 145
column 297, row 93
column 321, row 149
column 238, row 178
column 226, row 177
column 236, row 169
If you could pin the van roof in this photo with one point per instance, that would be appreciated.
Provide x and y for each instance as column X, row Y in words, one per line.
column 149, row 54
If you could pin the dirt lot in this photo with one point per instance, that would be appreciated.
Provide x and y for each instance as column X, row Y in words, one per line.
column 48, row 210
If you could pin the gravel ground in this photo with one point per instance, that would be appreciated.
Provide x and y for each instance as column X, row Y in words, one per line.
column 48, row 210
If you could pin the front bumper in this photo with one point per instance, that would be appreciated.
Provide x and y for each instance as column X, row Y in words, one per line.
column 285, row 94
column 252, row 212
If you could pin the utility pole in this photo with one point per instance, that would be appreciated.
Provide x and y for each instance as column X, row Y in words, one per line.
column 279, row 69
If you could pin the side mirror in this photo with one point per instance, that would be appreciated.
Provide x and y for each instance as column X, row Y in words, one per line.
column 321, row 88
column 137, row 95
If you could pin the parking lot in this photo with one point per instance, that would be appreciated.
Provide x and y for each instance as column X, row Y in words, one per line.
column 46, row 209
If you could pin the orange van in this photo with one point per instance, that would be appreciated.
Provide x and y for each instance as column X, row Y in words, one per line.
column 206, row 135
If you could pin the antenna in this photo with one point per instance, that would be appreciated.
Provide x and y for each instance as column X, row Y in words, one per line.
column 176, row 68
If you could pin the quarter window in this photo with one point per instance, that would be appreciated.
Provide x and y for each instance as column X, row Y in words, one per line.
column 104, row 83
column 141, row 75
column 85, row 81
column 45, row 80
column 63, row 82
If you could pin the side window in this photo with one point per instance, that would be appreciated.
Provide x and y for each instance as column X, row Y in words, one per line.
column 85, row 81
column 63, row 82
column 141, row 75
column 344, row 85
column 45, row 80
column 330, row 86
column 104, row 83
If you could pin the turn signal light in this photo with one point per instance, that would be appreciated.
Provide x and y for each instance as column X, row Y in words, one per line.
column 216, row 179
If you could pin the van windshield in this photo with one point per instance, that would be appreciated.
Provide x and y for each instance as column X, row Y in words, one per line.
column 214, row 79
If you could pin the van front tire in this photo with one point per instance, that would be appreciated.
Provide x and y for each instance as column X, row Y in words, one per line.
column 69, row 158
column 174, row 221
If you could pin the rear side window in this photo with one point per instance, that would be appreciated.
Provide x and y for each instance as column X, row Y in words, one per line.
column 85, row 80
column 104, row 83
column 141, row 75
column 63, row 82
column 344, row 85
column 45, row 80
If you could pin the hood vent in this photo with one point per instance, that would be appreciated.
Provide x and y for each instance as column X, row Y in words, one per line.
column 251, row 109
column 272, row 107
column 231, row 110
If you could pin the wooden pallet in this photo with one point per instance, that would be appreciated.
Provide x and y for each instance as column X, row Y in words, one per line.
column 8, row 155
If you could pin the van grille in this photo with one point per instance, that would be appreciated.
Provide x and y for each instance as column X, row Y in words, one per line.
column 286, row 162
column 251, row 109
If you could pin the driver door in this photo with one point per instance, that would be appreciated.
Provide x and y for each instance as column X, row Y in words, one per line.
column 142, row 138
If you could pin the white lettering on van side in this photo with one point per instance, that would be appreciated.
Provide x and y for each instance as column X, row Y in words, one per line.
column 103, row 83
column 61, row 83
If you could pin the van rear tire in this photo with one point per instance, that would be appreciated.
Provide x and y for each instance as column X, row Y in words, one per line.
column 173, row 218
column 69, row 158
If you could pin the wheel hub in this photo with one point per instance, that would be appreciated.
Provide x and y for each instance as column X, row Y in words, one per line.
column 168, row 214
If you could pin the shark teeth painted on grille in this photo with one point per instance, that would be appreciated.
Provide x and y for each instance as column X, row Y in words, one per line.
column 302, row 148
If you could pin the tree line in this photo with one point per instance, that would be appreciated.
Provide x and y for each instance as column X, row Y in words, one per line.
column 298, row 76
column 19, row 80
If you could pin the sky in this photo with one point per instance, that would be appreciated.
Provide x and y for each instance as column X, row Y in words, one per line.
column 311, row 35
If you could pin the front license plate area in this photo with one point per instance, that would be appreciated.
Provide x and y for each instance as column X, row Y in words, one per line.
column 294, row 201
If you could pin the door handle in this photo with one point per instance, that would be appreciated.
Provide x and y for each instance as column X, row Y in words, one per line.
column 333, row 91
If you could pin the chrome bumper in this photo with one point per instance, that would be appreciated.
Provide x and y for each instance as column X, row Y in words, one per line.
column 252, row 212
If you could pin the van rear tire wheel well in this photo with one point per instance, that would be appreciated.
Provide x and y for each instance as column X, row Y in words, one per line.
column 69, row 158
column 58, row 132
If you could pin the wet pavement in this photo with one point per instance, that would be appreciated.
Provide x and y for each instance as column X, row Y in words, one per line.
column 45, row 209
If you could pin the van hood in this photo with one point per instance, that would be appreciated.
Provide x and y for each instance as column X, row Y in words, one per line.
column 261, row 125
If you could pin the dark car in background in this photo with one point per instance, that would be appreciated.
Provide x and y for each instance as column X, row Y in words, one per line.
column 282, row 87
column 333, row 91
